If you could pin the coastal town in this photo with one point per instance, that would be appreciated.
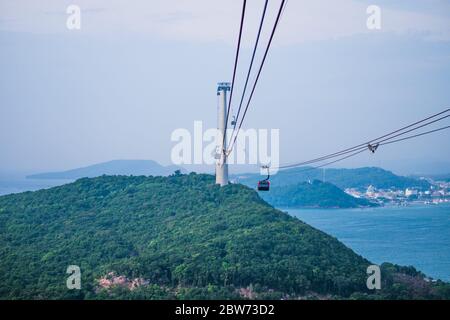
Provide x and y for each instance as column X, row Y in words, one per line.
column 438, row 193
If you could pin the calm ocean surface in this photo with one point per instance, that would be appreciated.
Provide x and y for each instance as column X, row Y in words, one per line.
column 18, row 183
column 414, row 235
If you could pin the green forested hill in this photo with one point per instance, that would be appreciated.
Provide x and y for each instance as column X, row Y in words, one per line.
column 183, row 235
column 359, row 178
column 315, row 194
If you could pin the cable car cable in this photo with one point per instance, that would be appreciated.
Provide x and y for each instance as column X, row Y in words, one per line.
column 251, row 66
column 234, row 71
column 364, row 145
column 381, row 144
column 258, row 75
column 415, row 136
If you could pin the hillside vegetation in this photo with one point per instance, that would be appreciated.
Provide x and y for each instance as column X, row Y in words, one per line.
column 315, row 194
column 359, row 178
column 177, row 237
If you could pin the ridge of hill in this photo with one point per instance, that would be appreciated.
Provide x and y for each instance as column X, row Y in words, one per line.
column 178, row 237
column 113, row 167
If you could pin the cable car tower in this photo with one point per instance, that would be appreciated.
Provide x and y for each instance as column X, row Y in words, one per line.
column 221, row 156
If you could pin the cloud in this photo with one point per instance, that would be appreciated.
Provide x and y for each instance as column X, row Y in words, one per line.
column 214, row 20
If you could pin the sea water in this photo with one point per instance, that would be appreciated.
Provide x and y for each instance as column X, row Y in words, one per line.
column 19, row 183
column 417, row 235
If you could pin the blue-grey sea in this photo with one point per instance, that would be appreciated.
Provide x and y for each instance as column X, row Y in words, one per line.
column 15, row 183
column 417, row 235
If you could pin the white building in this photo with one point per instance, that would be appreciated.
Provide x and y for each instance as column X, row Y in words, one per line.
column 371, row 191
column 410, row 192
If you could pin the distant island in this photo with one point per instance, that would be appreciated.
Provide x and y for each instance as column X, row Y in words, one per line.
column 436, row 177
column 298, row 187
column 349, row 188
column 360, row 178
column 179, row 237
column 114, row 167
column 315, row 194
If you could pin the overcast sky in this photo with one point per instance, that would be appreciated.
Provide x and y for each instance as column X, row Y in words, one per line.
column 137, row 70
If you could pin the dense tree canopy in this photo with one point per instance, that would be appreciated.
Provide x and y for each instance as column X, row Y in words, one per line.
column 187, row 237
column 313, row 194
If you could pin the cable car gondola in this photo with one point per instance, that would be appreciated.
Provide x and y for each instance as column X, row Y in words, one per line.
column 233, row 121
column 264, row 185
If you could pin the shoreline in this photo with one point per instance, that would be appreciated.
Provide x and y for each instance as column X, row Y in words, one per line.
column 416, row 235
column 385, row 206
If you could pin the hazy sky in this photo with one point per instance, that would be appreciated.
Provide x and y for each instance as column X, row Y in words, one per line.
column 137, row 70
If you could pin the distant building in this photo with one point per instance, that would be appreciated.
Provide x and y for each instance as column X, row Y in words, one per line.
column 353, row 192
column 437, row 194
column 410, row 192
column 371, row 191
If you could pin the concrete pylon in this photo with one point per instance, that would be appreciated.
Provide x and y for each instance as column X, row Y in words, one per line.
column 221, row 159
